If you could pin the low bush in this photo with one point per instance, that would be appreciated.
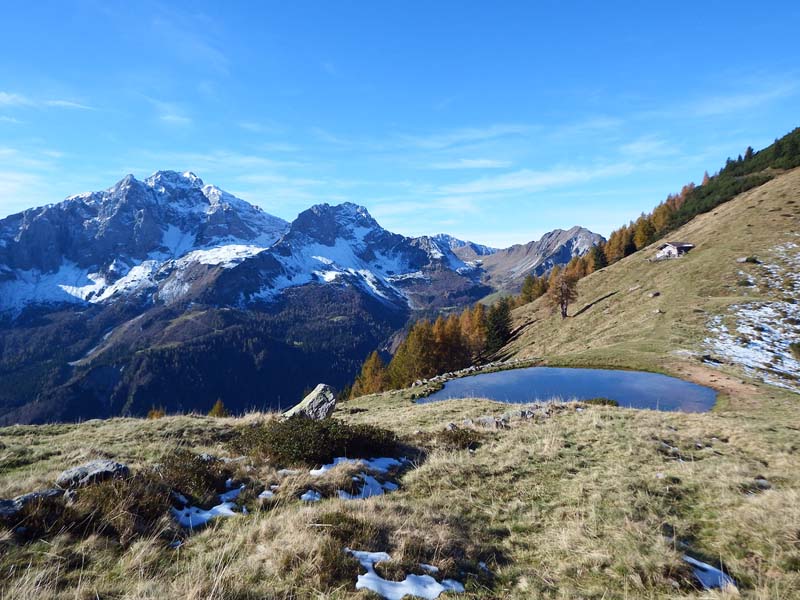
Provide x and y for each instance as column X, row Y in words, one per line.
column 459, row 439
column 601, row 402
column 197, row 476
column 302, row 441
column 794, row 348
column 744, row 283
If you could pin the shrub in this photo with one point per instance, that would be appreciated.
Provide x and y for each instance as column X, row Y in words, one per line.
column 794, row 348
column 156, row 413
column 200, row 477
column 459, row 439
column 219, row 410
column 302, row 441
column 601, row 402
column 744, row 283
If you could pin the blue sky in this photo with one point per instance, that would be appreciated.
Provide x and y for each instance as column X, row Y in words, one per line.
column 492, row 121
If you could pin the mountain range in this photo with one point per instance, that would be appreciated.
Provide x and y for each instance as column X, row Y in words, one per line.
column 174, row 293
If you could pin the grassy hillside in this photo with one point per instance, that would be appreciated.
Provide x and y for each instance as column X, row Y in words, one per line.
column 579, row 501
column 656, row 315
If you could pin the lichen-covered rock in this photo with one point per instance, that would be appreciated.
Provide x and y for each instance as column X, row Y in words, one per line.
column 318, row 405
column 98, row 470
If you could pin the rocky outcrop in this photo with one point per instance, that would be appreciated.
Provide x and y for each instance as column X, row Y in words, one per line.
column 98, row 470
column 319, row 404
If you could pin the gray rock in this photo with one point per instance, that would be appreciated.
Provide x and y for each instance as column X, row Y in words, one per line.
column 34, row 496
column 10, row 508
column 492, row 422
column 654, row 294
column 319, row 404
column 98, row 470
column 762, row 483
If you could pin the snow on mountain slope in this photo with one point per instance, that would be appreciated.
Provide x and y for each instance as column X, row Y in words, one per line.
column 97, row 246
column 172, row 238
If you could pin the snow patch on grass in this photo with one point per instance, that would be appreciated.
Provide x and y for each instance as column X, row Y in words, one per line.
column 420, row 586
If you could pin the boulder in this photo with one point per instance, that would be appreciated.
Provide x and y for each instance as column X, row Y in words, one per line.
column 10, row 508
column 98, row 470
column 319, row 404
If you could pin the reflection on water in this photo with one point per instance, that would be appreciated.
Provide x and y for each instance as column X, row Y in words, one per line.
column 634, row 389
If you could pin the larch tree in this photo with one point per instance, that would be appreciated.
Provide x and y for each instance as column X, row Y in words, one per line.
column 372, row 378
column 562, row 291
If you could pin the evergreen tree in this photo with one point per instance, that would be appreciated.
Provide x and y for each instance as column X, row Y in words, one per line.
column 528, row 284
column 597, row 258
column 498, row 325
column 373, row 377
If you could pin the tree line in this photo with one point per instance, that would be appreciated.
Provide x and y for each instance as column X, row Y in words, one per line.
column 434, row 347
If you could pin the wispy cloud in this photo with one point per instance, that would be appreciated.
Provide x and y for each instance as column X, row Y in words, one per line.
column 14, row 99
column 11, row 99
column 472, row 163
column 11, row 120
column 527, row 180
column 727, row 104
column 648, row 147
column 67, row 104
column 170, row 113
column 465, row 136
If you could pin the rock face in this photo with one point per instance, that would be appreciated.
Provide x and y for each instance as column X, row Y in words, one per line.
column 98, row 470
column 319, row 404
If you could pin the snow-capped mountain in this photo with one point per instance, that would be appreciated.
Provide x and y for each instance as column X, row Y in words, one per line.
column 99, row 246
column 171, row 292
column 464, row 249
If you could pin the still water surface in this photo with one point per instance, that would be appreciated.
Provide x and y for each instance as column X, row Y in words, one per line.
column 635, row 389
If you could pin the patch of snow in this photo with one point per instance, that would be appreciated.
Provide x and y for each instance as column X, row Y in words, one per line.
column 371, row 487
column 231, row 495
column 176, row 241
column 421, row 586
column 311, row 496
column 227, row 256
column 192, row 517
column 708, row 576
column 429, row 568
column 378, row 465
column 756, row 336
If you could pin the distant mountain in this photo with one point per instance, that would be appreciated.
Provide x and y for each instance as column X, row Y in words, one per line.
column 505, row 269
column 171, row 292
column 464, row 250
